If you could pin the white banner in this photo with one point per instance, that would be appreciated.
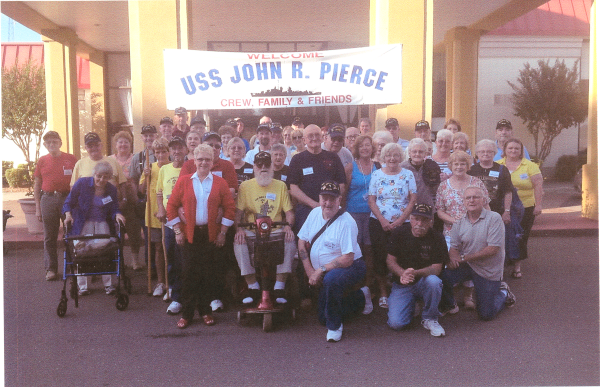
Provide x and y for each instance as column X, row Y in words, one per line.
column 199, row 80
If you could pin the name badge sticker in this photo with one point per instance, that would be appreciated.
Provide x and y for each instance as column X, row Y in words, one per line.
column 307, row 171
column 524, row 176
column 271, row 196
column 67, row 172
column 106, row 200
column 248, row 170
column 218, row 173
column 494, row 174
column 283, row 178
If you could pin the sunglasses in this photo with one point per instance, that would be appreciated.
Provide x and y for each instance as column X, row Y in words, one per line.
column 263, row 164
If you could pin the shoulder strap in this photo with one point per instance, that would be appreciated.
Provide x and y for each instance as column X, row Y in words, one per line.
column 329, row 222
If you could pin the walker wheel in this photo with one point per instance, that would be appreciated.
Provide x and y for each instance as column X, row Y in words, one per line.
column 62, row 308
column 267, row 322
column 122, row 302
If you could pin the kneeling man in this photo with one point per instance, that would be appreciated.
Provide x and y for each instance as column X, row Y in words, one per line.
column 332, row 259
column 477, row 254
column 416, row 254
column 263, row 195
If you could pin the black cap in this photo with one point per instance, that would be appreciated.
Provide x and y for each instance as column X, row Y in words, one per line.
column 262, row 158
column 51, row 134
column 391, row 122
column 263, row 127
column 176, row 140
column 330, row 188
column 91, row 137
column 275, row 127
column 297, row 120
column 503, row 123
column 208, row 135
column 180, row 110
column 422, row 209
column 336, row 130
column 231, row 122
column 197, row 120
column 148, row 129
column 166, row 120
column 422, row 125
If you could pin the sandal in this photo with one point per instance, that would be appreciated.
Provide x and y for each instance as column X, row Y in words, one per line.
column 183, row 323
column 516, row 274
column 208, row 320
column 383, row 302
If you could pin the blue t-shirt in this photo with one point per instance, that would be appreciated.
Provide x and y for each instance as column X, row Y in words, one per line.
column 359, row 190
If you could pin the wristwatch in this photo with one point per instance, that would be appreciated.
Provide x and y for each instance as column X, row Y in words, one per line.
column 323, row 269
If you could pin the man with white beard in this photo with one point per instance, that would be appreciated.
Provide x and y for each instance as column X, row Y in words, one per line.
column 264, row 195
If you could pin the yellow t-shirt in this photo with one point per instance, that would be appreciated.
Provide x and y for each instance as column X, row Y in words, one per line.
column 154, row 222
column 521, row 179
column 85, row 168
column 167, row 177
column 270, row 200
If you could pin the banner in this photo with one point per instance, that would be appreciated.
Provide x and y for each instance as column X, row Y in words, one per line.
column 201, row 80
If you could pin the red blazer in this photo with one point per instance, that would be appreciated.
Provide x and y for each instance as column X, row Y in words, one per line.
column 183, row 195
column 219, row 165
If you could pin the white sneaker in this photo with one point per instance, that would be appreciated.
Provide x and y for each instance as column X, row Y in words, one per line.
column 174, row 308
column 110, row 290
column 335, row 336
column 217, row 305
column 368, row 301
column 159, row 290
column 167, row 296
column 83, row 292
column 469, row 302
column 51, row 275
column 434, row 327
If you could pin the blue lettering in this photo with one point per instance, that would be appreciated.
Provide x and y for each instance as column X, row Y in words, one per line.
column 380, row 80
column 237, row 77
column 356, row 73
column 202, row 84
column 325, row 68
column 248, row 72
column 214, row 75
column 188, row 85
column 275, row 70
column 335, row 72
column 367, row 81
column 343, row 72
column 296, row 69
column 261, row 71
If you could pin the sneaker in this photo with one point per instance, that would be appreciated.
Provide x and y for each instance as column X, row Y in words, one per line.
column 83, row 292
column 110, row 290
column 279, row 295
column 510, row 297
column 167, row 296
column 368, row 301
column 50, row 275
column 159, row 290
column 451, row 310
column 383, row 302
column 434, row 327
column 217, row 306
column 335, row 336
column 469, row 303
column 174, row 308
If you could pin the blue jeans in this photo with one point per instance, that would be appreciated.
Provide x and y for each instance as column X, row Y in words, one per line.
column 402, row 301
column 490, row 300
column 336, row 298
column 174, row 256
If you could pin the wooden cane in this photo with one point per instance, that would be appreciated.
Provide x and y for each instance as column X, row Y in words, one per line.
column 148, row 217
column 164, row 245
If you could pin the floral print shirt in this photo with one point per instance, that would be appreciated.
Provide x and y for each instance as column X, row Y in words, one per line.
column 450, row 200
column 392, row 192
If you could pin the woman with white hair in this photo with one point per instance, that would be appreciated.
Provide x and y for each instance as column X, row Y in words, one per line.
column 443, row 142
column 380, row 139
column 392, row 195
column 425, row 171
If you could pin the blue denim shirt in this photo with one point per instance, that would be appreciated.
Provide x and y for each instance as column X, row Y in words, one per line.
column 80, row 201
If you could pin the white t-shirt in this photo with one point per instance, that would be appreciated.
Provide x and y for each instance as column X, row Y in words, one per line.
column 339, row 238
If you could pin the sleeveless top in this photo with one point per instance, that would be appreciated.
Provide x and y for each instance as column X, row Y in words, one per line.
column 359, row 190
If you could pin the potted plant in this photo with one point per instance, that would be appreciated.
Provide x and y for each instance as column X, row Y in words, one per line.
column 24, row 122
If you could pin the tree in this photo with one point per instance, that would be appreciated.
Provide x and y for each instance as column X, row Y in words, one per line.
column 549, row 99
column 24, row 107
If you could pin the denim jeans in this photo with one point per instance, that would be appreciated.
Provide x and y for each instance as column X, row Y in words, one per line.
column 51, row 209
column 402, row 301
column 490, row 300
column 336, row 298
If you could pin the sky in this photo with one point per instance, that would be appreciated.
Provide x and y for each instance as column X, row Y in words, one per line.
column 21, row 33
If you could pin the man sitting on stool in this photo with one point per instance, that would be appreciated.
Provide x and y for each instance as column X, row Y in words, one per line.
column 263, row 195
column 416, row 254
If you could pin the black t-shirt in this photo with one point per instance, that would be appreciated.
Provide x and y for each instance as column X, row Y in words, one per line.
column 497, row 181
column 282, row 175
column 246, row 172
column 417, row 253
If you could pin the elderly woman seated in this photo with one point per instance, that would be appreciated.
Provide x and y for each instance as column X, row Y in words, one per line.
column 91, row 208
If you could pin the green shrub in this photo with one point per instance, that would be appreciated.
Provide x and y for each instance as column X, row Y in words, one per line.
column 568, row 165
column 17, row 178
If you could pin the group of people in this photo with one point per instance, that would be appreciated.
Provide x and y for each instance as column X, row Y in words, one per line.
column 364, row 212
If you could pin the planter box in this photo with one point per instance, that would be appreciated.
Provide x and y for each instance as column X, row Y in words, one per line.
column 34, row 226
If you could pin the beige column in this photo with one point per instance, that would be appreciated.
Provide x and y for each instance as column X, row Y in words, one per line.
column 411, row 24
column 60, row 65
column 462, row 46
column 589, row 198
column 98, row 94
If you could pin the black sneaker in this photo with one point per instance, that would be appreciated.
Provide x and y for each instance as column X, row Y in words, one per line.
column 449, row 310
column 510, row 297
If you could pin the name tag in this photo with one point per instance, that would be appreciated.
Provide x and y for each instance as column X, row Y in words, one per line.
column 106, row 200
column 307, row 171
column 494, row 173
column 283, row 178
column 248, row 170
column 271, row 196
column 524, row 176
column 218, row 173
column 67, row 172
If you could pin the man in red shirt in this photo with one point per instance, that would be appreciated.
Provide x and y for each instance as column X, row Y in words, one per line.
column 51, row 187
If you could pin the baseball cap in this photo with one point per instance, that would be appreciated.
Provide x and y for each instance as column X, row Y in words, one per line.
column 262, row 158
column 263, row 127
column 336, row 130
column 91, row 137
column 391, row 122
column 197, row 120
column 208, row 135
column 503, row 123
column 176, row 140
column 422, row 209
column 276, row 127
column 330, row 188
column 51, row 134
column 148, row 129
column 180, row 110
column 168, row 120
column 422, row 125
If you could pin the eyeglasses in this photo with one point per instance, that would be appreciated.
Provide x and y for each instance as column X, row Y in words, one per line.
column 263, row 164
column 297, row 137
column 469, row 198
column 352, row 137
column 215, row 146
column 203, row 159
